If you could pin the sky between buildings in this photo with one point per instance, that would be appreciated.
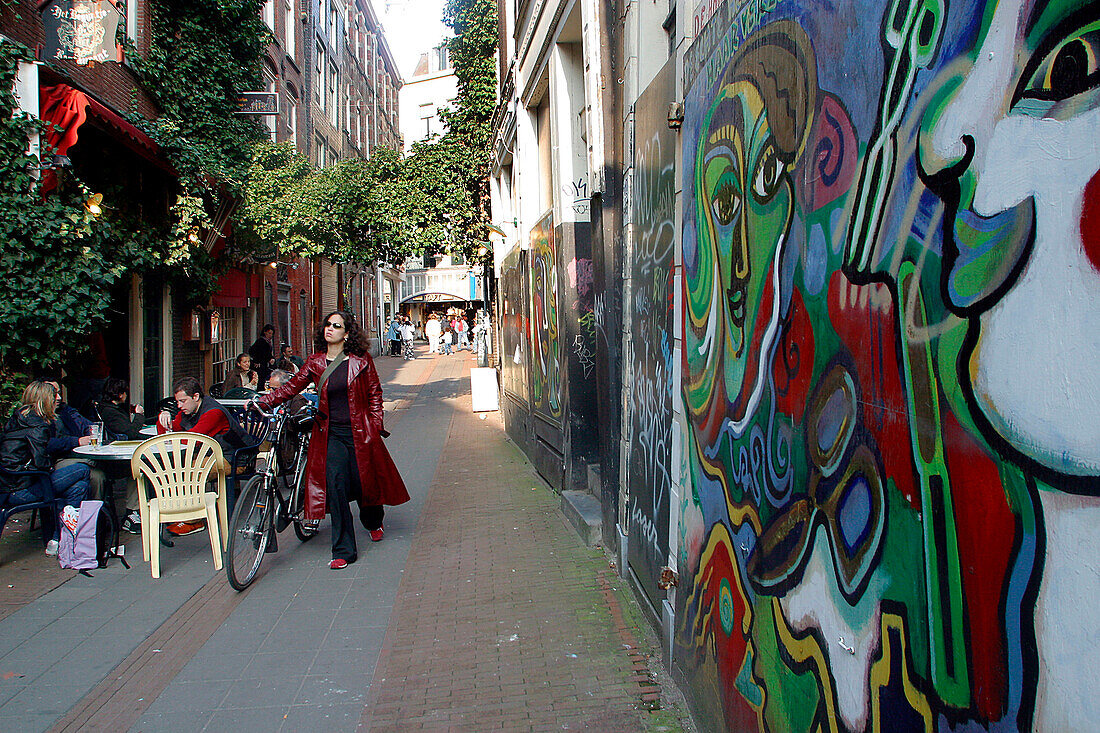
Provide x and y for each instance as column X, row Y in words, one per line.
column 412, row 27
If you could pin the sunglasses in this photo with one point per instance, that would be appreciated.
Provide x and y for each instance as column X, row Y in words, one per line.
column 329, row 324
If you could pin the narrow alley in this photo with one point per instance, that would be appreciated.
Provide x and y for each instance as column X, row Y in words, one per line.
column 480, row 610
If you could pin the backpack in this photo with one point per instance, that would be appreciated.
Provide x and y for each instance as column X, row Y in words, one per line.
column 87, row 543
column 78, row 549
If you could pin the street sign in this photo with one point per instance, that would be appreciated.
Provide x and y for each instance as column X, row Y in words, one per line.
column 258, row 103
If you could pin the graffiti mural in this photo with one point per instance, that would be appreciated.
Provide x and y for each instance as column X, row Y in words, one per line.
column 514, row 329
column 651, row 384
column 891, row 289
column 545, row 366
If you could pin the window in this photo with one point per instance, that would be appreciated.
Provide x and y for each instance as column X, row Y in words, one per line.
column 334, row 95
column 347, row 110
column 268, row 13
column 320, row 144
column 319, row 72
column 442, row 57
column 333, row 24
column 290, row 29
column 131, row 19
column 427, row 112
column 228, row 343
column 292, row 120
column 270, row 121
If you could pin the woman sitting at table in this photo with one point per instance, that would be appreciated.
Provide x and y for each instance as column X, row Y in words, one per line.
column 121, row 422
column 243, row 375
column 23, row 446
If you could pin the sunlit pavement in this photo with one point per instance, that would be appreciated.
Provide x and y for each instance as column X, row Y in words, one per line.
column 480, row 610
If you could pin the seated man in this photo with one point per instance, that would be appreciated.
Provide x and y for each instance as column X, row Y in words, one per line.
column 199, row 413
column 70, row 430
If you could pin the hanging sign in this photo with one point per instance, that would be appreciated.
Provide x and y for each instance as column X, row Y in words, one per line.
column 258, row 103
column 80, row 30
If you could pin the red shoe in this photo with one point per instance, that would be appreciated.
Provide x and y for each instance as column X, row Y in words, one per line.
column 337, row 564
column 376, row 535
column 180, row 529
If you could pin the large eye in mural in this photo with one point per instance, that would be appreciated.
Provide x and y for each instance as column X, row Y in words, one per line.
column 769, row 172
column 726, row 203
column 1072, row 66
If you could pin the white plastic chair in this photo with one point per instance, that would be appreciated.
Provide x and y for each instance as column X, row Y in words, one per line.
column 174, row 469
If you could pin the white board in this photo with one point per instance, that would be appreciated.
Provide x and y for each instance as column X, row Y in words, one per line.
column 483, row 384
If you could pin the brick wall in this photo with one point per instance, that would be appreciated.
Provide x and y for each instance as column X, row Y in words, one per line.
column 111, row 83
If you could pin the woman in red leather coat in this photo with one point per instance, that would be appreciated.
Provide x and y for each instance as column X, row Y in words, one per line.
column 347, row 459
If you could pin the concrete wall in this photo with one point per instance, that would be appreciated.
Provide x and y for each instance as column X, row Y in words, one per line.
column 890, row 306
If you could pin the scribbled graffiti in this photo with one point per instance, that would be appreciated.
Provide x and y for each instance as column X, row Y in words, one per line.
column 585, row 356
column 580, row 275
column 891, row 293
column 545, row 364
column 650, row 387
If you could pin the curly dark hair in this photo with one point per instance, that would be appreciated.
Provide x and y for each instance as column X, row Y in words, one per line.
column 355, row 341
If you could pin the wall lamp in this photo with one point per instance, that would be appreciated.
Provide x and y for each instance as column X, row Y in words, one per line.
column 276, row 263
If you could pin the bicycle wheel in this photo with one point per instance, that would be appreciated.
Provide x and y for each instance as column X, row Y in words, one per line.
column 248, row 533
column 299, row 497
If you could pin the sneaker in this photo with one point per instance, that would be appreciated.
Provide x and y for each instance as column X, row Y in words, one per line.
column 182, row 529
column 337, row 564
column 376, row 535
column 132, row 523
column 51, row 547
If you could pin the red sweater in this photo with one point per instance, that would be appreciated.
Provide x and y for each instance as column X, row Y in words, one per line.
column 212, row 423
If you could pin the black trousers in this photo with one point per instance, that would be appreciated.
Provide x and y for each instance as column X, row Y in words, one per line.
column 395, row 348
column 341, row 483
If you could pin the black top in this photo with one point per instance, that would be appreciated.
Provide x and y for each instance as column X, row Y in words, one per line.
column 339, row 411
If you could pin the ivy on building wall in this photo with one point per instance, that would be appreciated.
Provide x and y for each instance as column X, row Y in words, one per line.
column 202, row 53
column 60, row 254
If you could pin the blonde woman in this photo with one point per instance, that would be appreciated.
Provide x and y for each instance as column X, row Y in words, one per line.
column 23, row 446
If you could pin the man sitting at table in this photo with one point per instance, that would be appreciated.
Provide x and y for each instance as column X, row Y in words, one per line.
column 70, row 430
column 200, row 413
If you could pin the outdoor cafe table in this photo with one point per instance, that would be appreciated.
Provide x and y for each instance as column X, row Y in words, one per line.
column 115, row 461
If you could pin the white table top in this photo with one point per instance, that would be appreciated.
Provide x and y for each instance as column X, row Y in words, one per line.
column 149, row 430
column 120, row 451
column 233, row 403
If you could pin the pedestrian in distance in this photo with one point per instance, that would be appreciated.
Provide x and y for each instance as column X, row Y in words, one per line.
column 242, row 375
column 433, row 329
column 262, row 352
column 445, row 340
column 347, row 460
column 25, row 445
column 408, row 333
column 463, row 334
column 393, row 333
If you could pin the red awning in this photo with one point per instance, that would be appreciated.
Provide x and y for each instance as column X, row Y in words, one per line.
column 235, row 287
column 68, row 108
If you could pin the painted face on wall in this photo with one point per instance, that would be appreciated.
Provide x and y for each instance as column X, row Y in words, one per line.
column 745, row 202
column 752, row 132
column 1016, row 151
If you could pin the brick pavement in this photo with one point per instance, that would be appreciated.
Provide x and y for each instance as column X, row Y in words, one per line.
column 503, row 619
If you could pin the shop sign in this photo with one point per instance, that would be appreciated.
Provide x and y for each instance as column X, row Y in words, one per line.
column 258, row 103
column 80, row 30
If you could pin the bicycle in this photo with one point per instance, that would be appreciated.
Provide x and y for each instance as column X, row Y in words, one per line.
column 263, row 510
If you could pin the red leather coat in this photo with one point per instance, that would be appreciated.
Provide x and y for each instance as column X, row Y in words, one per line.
column 378, row 476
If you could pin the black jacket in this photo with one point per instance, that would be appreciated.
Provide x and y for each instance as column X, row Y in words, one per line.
column 23, row 447
column 118, row 424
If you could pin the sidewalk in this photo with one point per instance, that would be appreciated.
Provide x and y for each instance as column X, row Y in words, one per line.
column 481, row 610
column 503, row 619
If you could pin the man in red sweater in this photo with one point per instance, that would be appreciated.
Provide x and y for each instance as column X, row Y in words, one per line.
column 199, row 413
